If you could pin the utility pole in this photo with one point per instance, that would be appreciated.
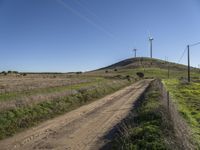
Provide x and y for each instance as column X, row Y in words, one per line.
column 135, row 50
column 167, row 63
column 151, row 46
column 188, row 47
column 168, row 69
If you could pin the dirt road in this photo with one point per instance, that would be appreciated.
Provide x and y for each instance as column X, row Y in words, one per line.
column 79, row 129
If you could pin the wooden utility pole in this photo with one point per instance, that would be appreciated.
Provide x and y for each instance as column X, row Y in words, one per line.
column 168, row 70
column 199, row 68
column 188, row 47
column 167, row 63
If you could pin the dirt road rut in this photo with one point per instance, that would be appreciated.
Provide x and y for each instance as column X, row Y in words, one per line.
column 80, row 129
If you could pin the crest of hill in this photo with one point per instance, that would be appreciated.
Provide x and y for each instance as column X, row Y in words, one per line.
column 139, row 62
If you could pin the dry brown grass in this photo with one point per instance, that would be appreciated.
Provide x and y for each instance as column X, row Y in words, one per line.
column 14, row 83
column 34, row 89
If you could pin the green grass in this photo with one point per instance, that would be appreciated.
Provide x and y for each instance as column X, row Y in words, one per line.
column 151, row 72
column 187, row 96
column 148, row 130
column 16, row 120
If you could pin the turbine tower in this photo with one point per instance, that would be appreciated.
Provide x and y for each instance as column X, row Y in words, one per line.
column 135, row 50
column 151, row 46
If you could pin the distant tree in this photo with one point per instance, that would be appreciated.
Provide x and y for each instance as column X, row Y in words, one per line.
column 128, row 77
column 9, row 71
column 140, row 74
column 24, row 74
column 106, row 71
column 79, row 72
column 115, row 69
column 4, row 73
column 16, row 72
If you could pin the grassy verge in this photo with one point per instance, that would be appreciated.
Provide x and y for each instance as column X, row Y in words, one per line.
column 187, row 96
column 16, row 120
column 147, row 127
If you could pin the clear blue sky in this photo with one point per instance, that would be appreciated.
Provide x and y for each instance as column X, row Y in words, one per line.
column 73, row 35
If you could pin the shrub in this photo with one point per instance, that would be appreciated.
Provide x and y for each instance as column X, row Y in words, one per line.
column 16, row 72
column 79, row 72
column 140, row 74
column 4, row 73
column 119, row 77
column 24, row 74
column 128, row 78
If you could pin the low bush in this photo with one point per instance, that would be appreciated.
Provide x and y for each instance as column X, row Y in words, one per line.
column 140, row 74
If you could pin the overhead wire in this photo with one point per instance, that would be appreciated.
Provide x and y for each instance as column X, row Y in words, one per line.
column 90, row 21
column 92, row 13
column 182, row 55
column 86, row 8
column 191, row 45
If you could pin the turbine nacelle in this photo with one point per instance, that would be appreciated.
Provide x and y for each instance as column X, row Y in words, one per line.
column 151, row 39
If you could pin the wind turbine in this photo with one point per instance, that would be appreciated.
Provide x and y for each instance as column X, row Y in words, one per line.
column 135, row 50
column 151, row 45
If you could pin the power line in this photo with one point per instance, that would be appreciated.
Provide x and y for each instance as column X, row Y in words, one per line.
column 194, row 44
column 95, row 16
column 87, row 9
column 182, row 55
column 188, row 47
column 86, row 18
column 95, row 24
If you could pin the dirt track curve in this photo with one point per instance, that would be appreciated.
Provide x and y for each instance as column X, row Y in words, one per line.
column 80, row 129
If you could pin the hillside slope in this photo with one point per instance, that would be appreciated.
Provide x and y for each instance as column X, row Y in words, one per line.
column 132, row 63
column 152, row 68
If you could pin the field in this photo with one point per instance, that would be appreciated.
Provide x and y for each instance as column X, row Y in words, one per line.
column 29, row 100
column 82, row 127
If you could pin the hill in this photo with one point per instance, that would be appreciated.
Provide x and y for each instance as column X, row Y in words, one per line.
column 138, row 62
column 152, row 68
